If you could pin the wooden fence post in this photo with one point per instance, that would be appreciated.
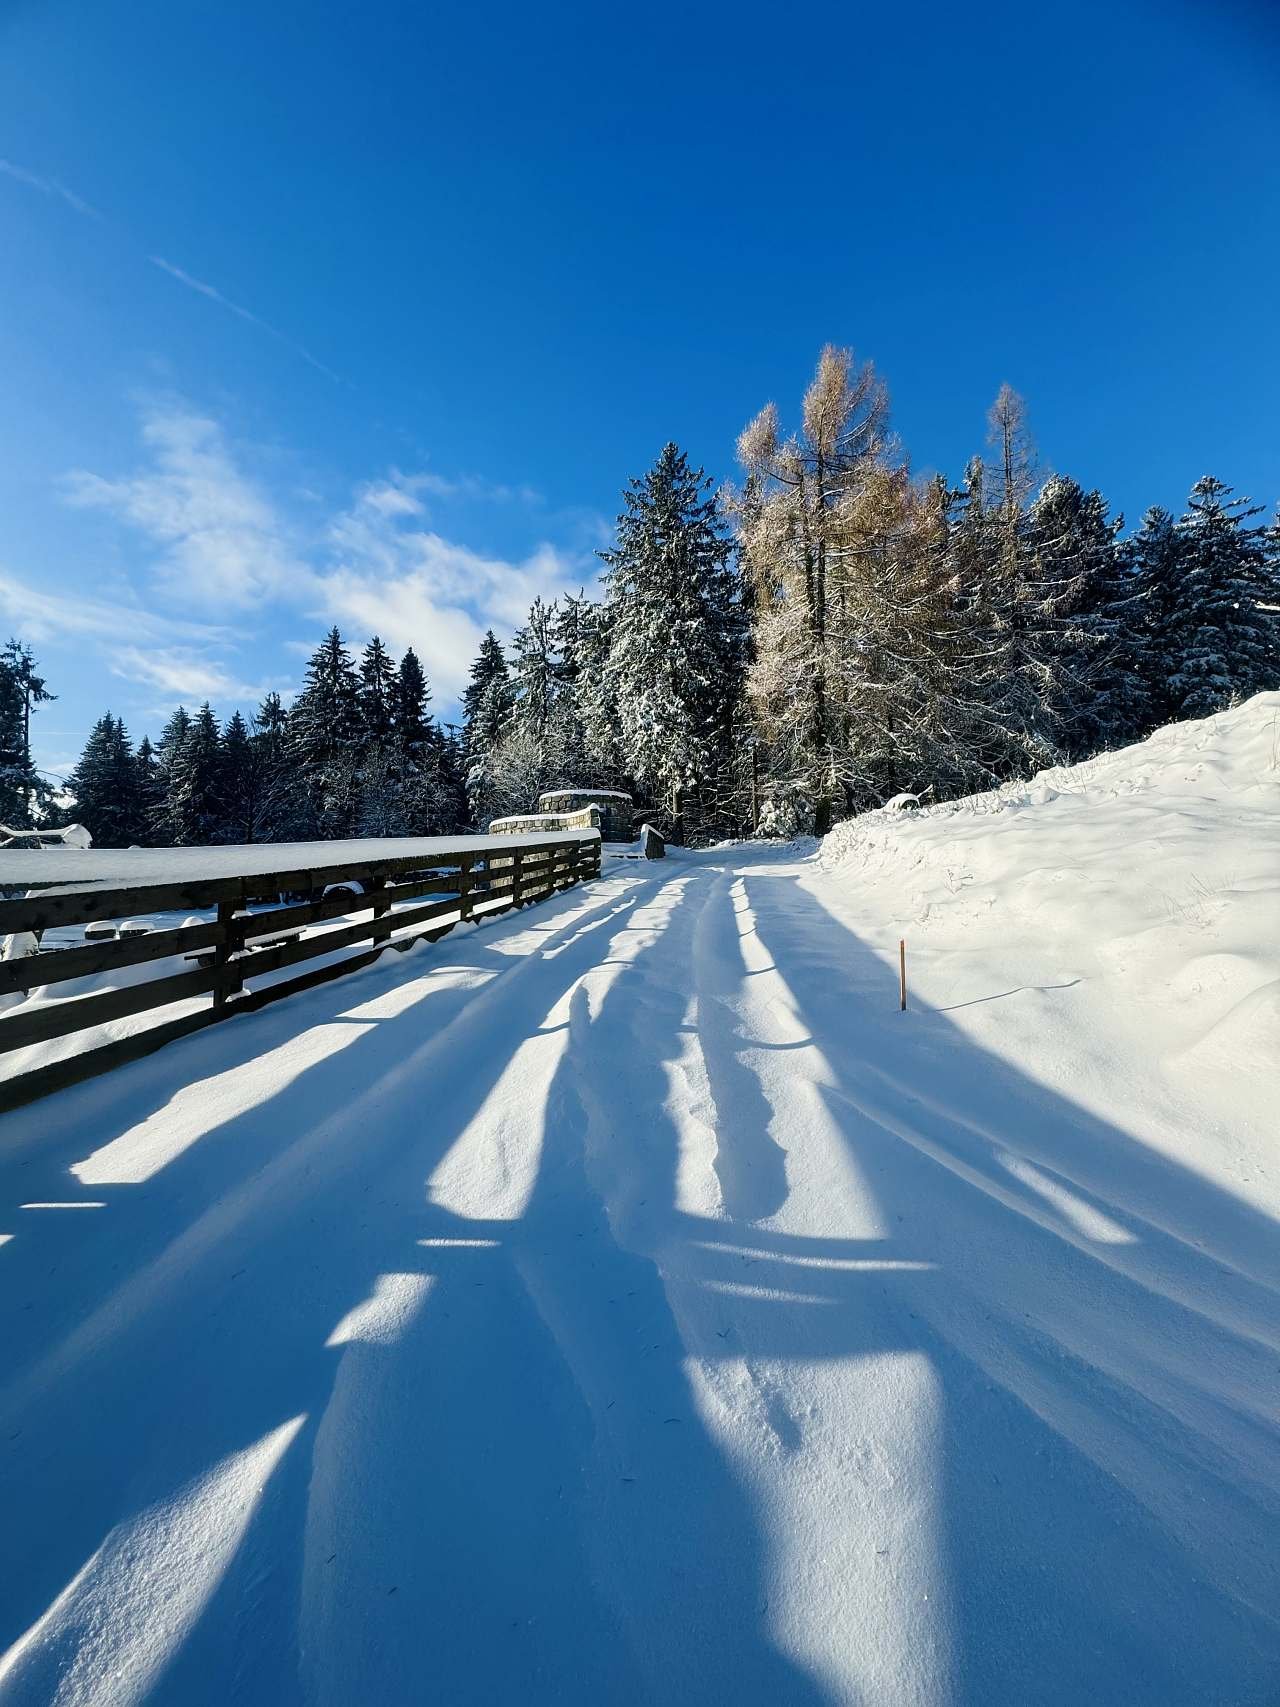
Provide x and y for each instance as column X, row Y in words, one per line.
column 380, row 901
column 230, row 971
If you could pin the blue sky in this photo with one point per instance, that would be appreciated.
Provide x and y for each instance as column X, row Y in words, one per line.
column 314, row 312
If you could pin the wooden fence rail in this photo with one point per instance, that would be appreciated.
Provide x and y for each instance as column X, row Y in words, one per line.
column 466, row 879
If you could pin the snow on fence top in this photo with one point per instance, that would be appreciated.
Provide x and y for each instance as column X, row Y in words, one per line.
column 226, row 958
column 29, row 868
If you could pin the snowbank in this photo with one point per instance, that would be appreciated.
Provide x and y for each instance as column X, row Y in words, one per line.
column 1114, row 926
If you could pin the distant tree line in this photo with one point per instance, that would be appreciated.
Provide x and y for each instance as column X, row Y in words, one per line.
column 766, row 658
column 356, row 754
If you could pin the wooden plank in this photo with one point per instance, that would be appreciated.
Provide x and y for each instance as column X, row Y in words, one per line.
column 88, row 1063
column 444, row 883
column 419, row 915
column 39, row 1024
column 81, row 907
column 59, row 965
column 288, row 918
column 261, row 960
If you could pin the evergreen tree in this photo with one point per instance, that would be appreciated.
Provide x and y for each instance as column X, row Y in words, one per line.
column 196, row 800
column 574, row 618
column 488, row 698
column 324, row 742
column 147, row 771
column 173, row 738
column 276, row 811
column 105, row 786
column 675, row 657
column 486, row 710
column 536, row 669
column 1227, row 639
column 1154, row 558
column 13, row 799
column 242, row 800
column 271, row 720
column 588, row 701
column 377, row 695
column 23, row 792
column 412, row 697
column 1080, row 579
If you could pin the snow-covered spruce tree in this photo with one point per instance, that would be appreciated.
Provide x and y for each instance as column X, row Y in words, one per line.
column 323, row 740
column 147, row 770
column 276, row 809
column 245, row 798
column 376, row 694
column 1091, row 600
column 426, row 784
column 411, row 718
column 13, row 794
column 196, row 798
column 574, row 625
column 534, row 670
column 674, row 664
column 379, row 807
column 104, row 785
column 595, row 720
column 487, row 703
column 172, row 738
column 24, row 794
column 1222, row 635
column 543, row 744
column 796, row 545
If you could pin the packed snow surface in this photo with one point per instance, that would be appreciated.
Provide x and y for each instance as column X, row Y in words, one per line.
column 622, row 1302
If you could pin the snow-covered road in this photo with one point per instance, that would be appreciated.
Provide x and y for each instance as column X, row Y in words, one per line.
column 622, row 1302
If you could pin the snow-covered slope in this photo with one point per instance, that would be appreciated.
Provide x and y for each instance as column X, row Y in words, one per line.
column 1114, row 927
column 624, row 1303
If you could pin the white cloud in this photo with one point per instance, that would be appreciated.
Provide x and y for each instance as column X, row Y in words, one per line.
column 417, row 588
column 48, row 187
column 224, row 544
column 180, row 673
column 223, row 541
column 45, row 617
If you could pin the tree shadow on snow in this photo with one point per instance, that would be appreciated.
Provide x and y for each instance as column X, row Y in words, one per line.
column 503, row 1486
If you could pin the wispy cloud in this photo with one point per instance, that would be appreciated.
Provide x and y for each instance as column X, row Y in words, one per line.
column 223, row 543
column 44, row 617
column 214, row 295
column 48, row 187
column 180, row 673
column 222, row 540
column 475, row 486
column 416, row 588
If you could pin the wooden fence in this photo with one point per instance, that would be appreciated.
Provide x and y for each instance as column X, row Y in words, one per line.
column 465, row 880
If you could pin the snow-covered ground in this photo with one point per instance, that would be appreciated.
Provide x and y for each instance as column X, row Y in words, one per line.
column 623, row 1302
